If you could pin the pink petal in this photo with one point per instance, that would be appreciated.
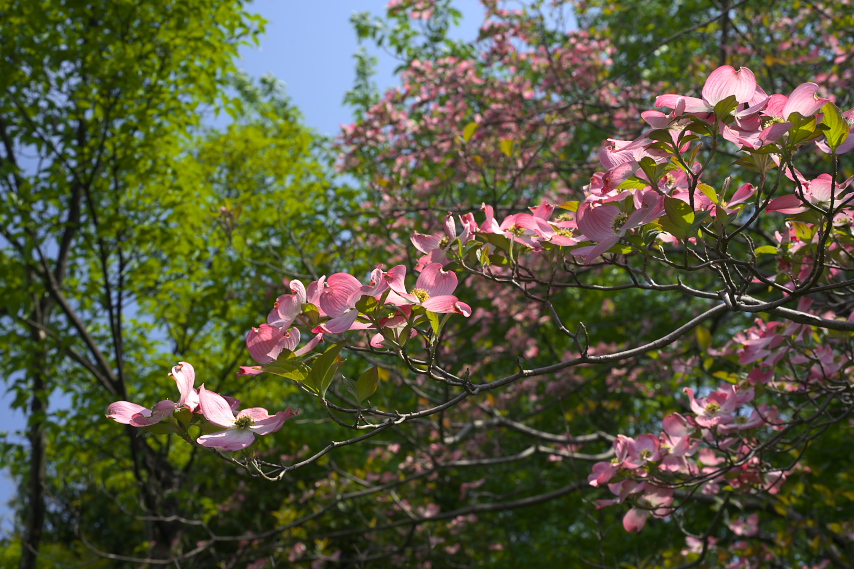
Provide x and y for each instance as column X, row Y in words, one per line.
column 820, row 189
column 776, row 104
column 299, row 290
column 446, row 304
column 228, row 440
column 215, row 408
column 436, row 281
column 635, row 519
column 678, row 426
column 288, row 307
column 725, row 81
column 450, row 227
column 310, row 346
column 123, row 411
column 789, row 204
column 743, row 193
column 147, row 418
column 842, row 149
column 425, row 243
column 596, row 222
column 378, row 341
column 290, row 339
column 600, row 248
column 804, row 101
column 264, row 343
column 395, row 278
column 340, row 324
column 249, row 370
column 335, row 298
column 184, row 375
column 315, row 289
column 272, row 423
column 254, row 413
column 656, row 119
column 691, row 104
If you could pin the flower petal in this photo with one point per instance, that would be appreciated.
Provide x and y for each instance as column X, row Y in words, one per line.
column 725, row 81
column 228, row 440
column 436, row 281
column 803, row 100
column 123, row 411
column 184, row 375
column 336, row 296
column 446, row 304
column 215, row 408
column 264, row 343
column 272, row 423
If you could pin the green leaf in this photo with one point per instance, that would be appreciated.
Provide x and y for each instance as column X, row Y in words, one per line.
column 650, row 168
column 434, row 322
column 500, row 242
column 507, row 147
column 162, row 428
column 679, row 218
column 661, row 135
column 296, row 371
column 324, row 369
column 803, row 130
column 802, row 230
column 469, row 131
column 766, row 250
column 620, row 249
column 709, row 192
column 366, row 304
column 704, row 338
column 633, row 183
column 724, row 109
column 838, row 127
column 367, row 384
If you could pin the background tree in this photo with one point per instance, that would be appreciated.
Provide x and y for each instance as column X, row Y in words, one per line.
column 124, row 250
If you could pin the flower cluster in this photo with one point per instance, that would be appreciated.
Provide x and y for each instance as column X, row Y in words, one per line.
column 340, row 303
column 213, row 412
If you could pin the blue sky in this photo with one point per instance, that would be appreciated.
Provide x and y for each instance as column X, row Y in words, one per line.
column 309, row 45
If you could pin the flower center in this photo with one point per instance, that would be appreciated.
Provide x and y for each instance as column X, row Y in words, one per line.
column 563, row 231
column 713, row 407
column 443, row 242
column 619, row 221
column 243, row 422
column 420, row 294
column 646, row 453
column 516, row 230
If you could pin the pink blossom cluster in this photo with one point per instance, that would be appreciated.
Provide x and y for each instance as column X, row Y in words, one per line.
column 512, row 90
column 623, row 200
column 711, row 446
column 215, row 414
column 340, row 303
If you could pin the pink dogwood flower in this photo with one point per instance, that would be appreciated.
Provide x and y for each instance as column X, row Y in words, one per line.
column 433, row 290
column 606, row 224
column 135, row 415
column 338, row 299
column 239, row 432
column 653, row 500
column 817, row 192
column 436, row 246
column 722, row 83
column 288, row 306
